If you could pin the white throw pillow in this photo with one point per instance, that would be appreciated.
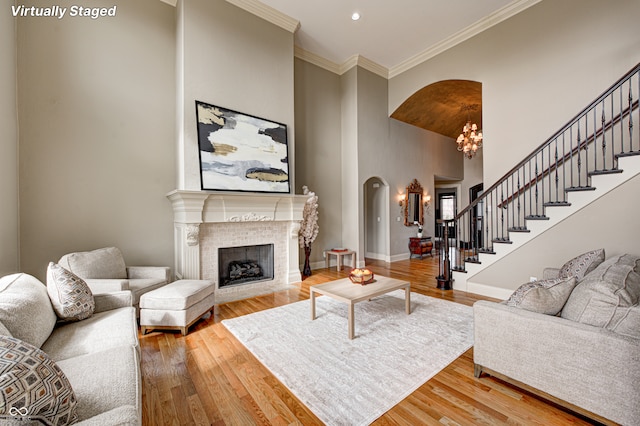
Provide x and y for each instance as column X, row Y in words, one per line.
column 70, row 295
column 25, row 308
column 544, row 296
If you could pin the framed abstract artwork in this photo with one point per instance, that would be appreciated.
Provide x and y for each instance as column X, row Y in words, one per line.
column 240, row 152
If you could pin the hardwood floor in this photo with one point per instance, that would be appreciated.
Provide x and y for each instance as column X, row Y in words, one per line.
column 209, row 378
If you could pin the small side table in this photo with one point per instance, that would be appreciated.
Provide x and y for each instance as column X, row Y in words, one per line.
column 419, row 246
column 339, row 254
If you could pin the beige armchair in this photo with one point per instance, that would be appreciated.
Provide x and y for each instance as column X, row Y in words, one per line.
column 105, row 271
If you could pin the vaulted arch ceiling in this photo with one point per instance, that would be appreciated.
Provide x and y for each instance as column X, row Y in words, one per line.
column 443, row 107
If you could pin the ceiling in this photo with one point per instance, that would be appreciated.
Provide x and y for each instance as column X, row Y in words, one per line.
column 393, row 34
column 388, row 39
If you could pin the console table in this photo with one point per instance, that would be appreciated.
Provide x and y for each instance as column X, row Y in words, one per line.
column 419, row 246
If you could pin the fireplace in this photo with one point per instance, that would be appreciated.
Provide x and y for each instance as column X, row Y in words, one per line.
column 239, row 265
column 205, row 223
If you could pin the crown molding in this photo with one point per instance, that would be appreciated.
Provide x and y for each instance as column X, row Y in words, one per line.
column 316, row 60
column 268, row 14
column 355, row 60
column 484, row 24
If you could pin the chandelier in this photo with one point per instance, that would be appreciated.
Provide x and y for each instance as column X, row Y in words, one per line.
column 470, row 140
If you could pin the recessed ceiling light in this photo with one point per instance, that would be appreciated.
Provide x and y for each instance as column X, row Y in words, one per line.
column 355, row 16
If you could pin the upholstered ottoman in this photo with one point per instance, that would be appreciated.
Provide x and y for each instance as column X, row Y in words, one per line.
column 176, row 306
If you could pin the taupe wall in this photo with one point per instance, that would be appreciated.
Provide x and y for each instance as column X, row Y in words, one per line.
column 96, row 118
column 538, row 69
column 232, row 59
column 610, row 223
column 318, row 149
column 370, row 146
column 9, row 223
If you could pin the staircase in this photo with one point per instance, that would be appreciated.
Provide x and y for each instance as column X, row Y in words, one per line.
column 596, row 151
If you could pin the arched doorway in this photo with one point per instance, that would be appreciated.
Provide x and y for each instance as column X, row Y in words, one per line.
column 376, row 219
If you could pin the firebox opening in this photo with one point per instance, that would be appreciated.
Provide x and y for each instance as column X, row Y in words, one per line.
column 239, row 265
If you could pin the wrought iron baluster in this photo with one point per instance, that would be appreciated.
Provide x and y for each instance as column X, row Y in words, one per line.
column 555, row 162
column 621, row 123
column 564, row 167
column 537, row 192
column 631, row 119
column 520, row 224
column 579, row 164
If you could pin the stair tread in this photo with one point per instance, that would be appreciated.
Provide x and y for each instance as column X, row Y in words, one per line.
column 627, row 154
column 536, row 217
column 502, row 241
column 486, row 251
column 557, row 204
column 580, row 188
column 605, row 172
column 519, row 229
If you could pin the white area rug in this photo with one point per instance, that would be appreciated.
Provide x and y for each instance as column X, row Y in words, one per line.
column 353, row 382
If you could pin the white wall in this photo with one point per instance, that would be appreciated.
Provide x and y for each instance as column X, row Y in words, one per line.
column 233, row 59
column 9, row 222
column 96, row 118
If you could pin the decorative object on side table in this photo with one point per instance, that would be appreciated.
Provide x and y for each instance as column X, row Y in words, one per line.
column 361, row 276
column 308, row 228
column 419, row 228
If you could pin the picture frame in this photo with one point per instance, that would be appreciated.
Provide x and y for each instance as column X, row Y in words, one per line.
column 241, row 152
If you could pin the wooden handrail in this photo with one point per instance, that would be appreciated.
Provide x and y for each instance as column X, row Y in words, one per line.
column 574, row 151
column 556, row 135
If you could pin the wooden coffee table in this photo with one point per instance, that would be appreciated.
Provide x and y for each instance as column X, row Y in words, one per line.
column 346, row 291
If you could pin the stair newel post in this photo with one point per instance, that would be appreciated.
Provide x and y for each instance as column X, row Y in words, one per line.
column 444, row 277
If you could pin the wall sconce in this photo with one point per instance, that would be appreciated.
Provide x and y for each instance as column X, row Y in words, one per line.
column 427, row 203
column 401, row 200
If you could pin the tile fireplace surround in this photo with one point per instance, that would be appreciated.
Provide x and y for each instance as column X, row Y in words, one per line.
column 204, row 222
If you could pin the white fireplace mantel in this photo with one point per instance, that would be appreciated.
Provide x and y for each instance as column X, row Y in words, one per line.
column 191, row 209
column 204, row 207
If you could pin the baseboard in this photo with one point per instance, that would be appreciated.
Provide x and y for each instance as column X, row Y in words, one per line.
column 377, row 256
column 397, row 257
column 486, row 290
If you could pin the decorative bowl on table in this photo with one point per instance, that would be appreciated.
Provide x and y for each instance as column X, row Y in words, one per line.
column 361, row 276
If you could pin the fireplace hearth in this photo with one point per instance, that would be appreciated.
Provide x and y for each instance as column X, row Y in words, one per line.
column 239, row 265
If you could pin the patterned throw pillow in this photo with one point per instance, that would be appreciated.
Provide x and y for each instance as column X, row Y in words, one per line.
column 544, row 296
column 581, row 265
column 32, row 386
column 70, row 295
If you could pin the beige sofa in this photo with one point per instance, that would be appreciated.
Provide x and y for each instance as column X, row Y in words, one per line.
column 586, row 357
column 104, row 270
column 99, row 355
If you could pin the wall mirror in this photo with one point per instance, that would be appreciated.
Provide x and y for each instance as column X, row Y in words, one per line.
column 413, row 208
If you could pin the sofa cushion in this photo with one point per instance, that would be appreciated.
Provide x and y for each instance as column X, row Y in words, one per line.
column 103, row 330
column 4, row 331
column 33, row 386
column 544, row 296
column 581, row 265
column 105, row 381
column 101, row 263
column 607, row 296
column 25, row 308
column 70, row 295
